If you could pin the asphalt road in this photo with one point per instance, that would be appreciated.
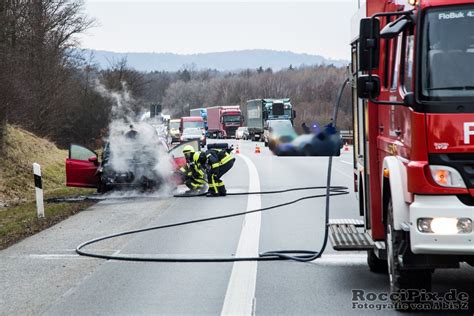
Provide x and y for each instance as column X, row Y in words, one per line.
column 43, row 275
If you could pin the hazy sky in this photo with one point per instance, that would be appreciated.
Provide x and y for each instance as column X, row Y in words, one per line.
column 311, row 26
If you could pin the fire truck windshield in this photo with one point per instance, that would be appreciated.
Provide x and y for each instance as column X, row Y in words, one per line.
column 448, row 54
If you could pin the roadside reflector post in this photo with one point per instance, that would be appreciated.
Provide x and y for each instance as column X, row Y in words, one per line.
column 38, row 190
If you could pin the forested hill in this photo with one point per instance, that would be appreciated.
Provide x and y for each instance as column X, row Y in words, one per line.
column 223, row 61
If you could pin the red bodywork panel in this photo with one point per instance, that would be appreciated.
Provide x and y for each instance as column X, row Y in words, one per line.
column 436, row 3
column 81, row 173
column 446, row 133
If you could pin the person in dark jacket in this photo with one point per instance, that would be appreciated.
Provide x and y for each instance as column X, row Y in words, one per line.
column 219, row 161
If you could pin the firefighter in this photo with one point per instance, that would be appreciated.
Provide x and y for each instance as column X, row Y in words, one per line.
column 193, row 173
column 219, row 161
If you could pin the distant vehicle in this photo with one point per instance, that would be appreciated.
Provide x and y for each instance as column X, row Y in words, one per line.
column 137, row 168
column 174, row 130
column 278, row 132
column 193, row 133
column 242, row 133
column 257, row 112
column 202, row 112
column 191, row 121
column 223, row 121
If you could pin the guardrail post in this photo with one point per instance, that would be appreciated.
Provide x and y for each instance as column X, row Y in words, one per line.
column 38, row 190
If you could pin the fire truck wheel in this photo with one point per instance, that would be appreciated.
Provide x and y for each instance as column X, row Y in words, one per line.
column 401, row 279
column 375, row 264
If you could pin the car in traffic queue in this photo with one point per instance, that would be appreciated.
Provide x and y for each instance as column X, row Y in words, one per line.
column 193, row 133
column 242, row 133
column 174, row 130
column 137, row 168
column 277, row 132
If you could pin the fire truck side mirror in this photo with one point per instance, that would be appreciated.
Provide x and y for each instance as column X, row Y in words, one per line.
column 393, row 29
column 368, row 87
column 369, row 44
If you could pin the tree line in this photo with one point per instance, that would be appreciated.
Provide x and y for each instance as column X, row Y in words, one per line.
column 312, row 90
column 53, row 89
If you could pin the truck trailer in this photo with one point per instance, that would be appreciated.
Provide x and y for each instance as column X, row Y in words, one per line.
column 256, row 112
column 223, row 121
column 413, row 105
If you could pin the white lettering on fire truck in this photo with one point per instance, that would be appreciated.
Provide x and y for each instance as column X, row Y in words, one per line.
column 450, row 15
column 468, row 132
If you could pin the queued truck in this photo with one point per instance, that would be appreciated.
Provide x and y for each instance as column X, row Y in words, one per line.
column 191, row 122
column 202, row 112
column 257, row 112
column 223, row 121
column 413, row 106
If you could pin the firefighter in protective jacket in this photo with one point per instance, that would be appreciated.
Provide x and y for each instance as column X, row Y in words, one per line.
column 193, row 173
column 219, row 161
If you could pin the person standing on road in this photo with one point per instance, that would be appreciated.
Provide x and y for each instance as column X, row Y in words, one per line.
column 219, row 161
column 193, row 172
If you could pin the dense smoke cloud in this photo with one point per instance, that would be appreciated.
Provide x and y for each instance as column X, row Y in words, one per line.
column 134, row 147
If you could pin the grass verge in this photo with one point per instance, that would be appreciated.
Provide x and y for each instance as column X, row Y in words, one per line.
column 20, row 221
column 17, row 193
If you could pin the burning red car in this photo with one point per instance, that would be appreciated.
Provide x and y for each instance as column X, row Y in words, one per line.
column 83, row 168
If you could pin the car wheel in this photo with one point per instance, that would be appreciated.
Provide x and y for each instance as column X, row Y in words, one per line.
column 401, row 279
column 102, row 188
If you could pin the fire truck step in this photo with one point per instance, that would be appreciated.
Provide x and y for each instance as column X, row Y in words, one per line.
column 344, row 235
column 346, row 221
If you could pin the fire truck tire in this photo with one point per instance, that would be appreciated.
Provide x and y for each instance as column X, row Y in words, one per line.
column 401, row 279
column 375, row 264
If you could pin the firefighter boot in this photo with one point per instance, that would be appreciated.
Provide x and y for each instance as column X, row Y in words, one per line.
column 222, row 191
column 212, row 193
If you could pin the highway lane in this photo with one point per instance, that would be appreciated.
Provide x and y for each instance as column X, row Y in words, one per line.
column 92, row 286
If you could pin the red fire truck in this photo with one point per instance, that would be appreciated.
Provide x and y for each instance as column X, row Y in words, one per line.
column 413, row 108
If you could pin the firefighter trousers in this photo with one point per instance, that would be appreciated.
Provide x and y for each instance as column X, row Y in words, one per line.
column 216, row 185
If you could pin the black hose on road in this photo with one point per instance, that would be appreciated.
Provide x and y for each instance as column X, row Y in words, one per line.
column 298, row 255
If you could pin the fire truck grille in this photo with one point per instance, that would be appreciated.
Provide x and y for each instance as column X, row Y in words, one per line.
column 464, row 163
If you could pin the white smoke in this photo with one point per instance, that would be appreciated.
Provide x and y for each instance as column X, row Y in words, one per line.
column 135, row 146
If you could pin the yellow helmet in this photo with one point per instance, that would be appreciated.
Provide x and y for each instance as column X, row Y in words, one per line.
column 188, row 149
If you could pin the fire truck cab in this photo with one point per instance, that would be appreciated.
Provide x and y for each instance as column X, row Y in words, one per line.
column 412, row 74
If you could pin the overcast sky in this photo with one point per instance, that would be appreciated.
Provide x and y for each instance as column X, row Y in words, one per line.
column 312, row 26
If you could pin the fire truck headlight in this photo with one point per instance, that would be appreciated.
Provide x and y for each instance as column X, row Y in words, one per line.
column 447, row 177
column 445, row 225
column 424, row 225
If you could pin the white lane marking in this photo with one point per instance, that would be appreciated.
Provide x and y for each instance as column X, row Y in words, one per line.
column 344, row 174
column 341, row 260
column 346, row 162
column 240, row 294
